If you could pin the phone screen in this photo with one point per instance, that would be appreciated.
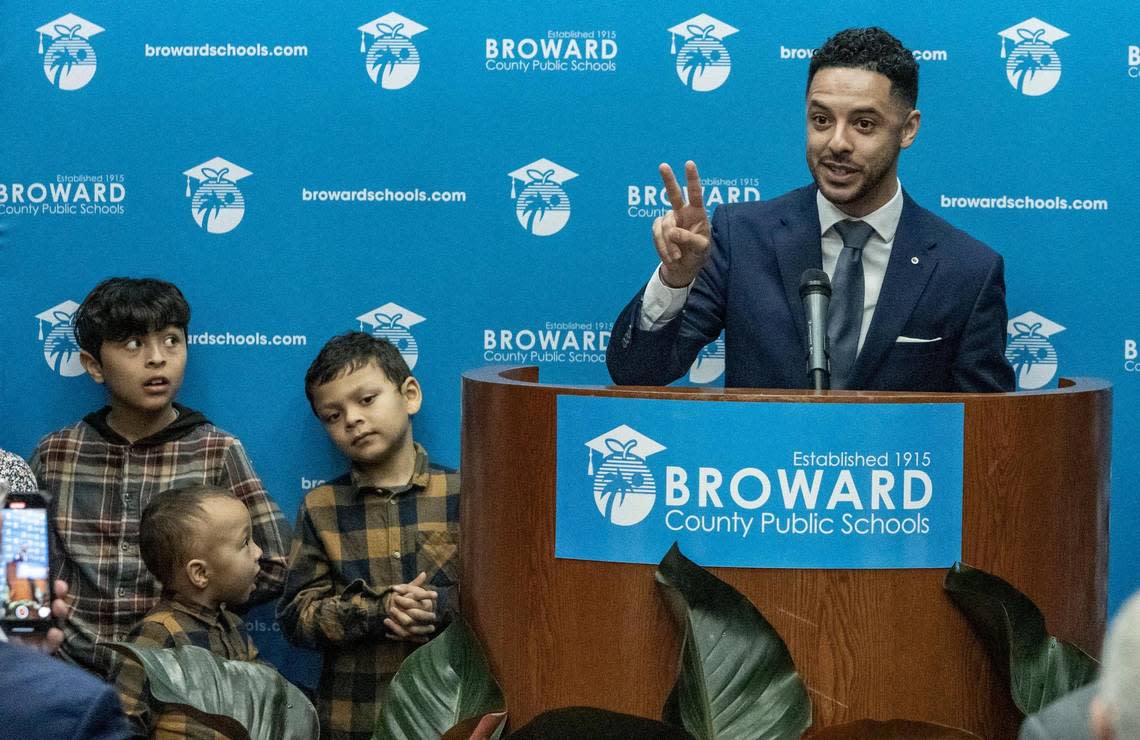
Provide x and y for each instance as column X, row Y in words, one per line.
column 25, row 595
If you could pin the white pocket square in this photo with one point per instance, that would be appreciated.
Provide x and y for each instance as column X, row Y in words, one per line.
column 916, row 340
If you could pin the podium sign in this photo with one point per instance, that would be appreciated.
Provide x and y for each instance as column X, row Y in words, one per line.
column 771, row 485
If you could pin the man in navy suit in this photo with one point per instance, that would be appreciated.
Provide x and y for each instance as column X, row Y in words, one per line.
column 933, row 299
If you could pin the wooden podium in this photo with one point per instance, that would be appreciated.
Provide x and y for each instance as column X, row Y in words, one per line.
column 877, row 644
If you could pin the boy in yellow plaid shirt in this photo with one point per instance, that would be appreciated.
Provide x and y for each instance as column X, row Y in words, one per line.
column 374, row 565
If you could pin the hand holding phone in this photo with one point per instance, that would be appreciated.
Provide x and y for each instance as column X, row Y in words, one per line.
column 25, row 582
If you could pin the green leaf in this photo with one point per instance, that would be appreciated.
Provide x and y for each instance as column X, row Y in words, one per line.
column 440, row 684
column 1041, row 667
column 254, row 695
column 895, row 729
column 737, row 678
column 487, row 727
column 576, row 723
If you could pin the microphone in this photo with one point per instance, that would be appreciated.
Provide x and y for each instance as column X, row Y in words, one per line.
column 815, row 292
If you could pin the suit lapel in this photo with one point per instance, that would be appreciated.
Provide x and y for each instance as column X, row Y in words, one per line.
column 909, row 268
column 797, row 248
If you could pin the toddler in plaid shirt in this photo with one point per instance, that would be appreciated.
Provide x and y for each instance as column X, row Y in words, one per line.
column 374, row 565
column 198, row 542
column 101, row 472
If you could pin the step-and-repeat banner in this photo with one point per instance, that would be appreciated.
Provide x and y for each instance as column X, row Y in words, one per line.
column 477, row 182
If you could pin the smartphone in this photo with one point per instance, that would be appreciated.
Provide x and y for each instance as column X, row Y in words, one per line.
column 25, row 591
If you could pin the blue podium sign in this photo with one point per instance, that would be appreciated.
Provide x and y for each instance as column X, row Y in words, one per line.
column 760, row 485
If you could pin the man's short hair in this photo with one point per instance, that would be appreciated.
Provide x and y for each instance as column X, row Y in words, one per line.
column 1120, row 671
column 121, row 307
column 168, row 529
column 347, row 353
column 875, row 50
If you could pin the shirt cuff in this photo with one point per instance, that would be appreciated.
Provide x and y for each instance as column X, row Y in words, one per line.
column 660, row 304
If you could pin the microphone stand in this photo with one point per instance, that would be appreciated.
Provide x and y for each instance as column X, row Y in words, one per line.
column 815, row 293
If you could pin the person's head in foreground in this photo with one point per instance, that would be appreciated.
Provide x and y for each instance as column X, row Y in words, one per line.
column 1116, row 709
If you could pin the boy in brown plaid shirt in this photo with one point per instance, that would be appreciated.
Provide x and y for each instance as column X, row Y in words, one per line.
column 198, row 543
column 102, row 471
column 373, row 570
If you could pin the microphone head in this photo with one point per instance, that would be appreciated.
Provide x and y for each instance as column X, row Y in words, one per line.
column 814, row 281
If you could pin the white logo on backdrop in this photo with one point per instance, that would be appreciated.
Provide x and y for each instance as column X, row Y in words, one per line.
column 57, row 333
column 1033, row 356
column 391, row 60
column 591, row 50
column 1032, row 65
column 702, row 59
column 69, row 57
column 394, row 323
column 709, row 364
column 215, row 202
column 541, row 205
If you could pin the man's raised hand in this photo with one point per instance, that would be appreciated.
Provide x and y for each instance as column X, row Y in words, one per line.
column 682, row 235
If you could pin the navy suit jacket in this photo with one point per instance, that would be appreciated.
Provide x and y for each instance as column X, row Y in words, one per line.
column 43, row 697
column 940, row 284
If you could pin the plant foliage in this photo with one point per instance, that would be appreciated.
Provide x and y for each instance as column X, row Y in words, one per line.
column 220, row 692
column 442, row 683
column 737, row 679
column 1041, row 667
column 895, row 729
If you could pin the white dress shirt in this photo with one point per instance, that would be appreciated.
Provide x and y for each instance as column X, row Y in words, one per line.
column 661, row 304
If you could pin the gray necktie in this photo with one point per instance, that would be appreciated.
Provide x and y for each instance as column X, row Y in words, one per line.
column 845, row 319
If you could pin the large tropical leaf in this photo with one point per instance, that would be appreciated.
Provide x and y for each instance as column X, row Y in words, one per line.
column 1041, row 667
column 737, row 679
column 221, row 692
column 895, row 729
column 576, row 723
column 442, row 683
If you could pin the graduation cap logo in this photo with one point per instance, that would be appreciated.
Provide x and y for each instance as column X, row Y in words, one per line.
column 541, row 205
column 57, row 332
column 624, row 487
column 709, row 364
column 69, row 58
column 391, row 60
column 1033, row 356
column 394, row 323
column 703, row 62
column 1032, row 65
column 215, row 202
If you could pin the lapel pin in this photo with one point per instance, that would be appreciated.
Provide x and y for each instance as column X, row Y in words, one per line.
column 914, row 260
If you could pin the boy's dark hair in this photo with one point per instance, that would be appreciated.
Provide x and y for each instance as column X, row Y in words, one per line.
column 347, row 353
column 875, row 50
column 121, row 307
column 166, row 532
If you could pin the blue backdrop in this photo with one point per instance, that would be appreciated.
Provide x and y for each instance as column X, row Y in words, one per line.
column 478, row 182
